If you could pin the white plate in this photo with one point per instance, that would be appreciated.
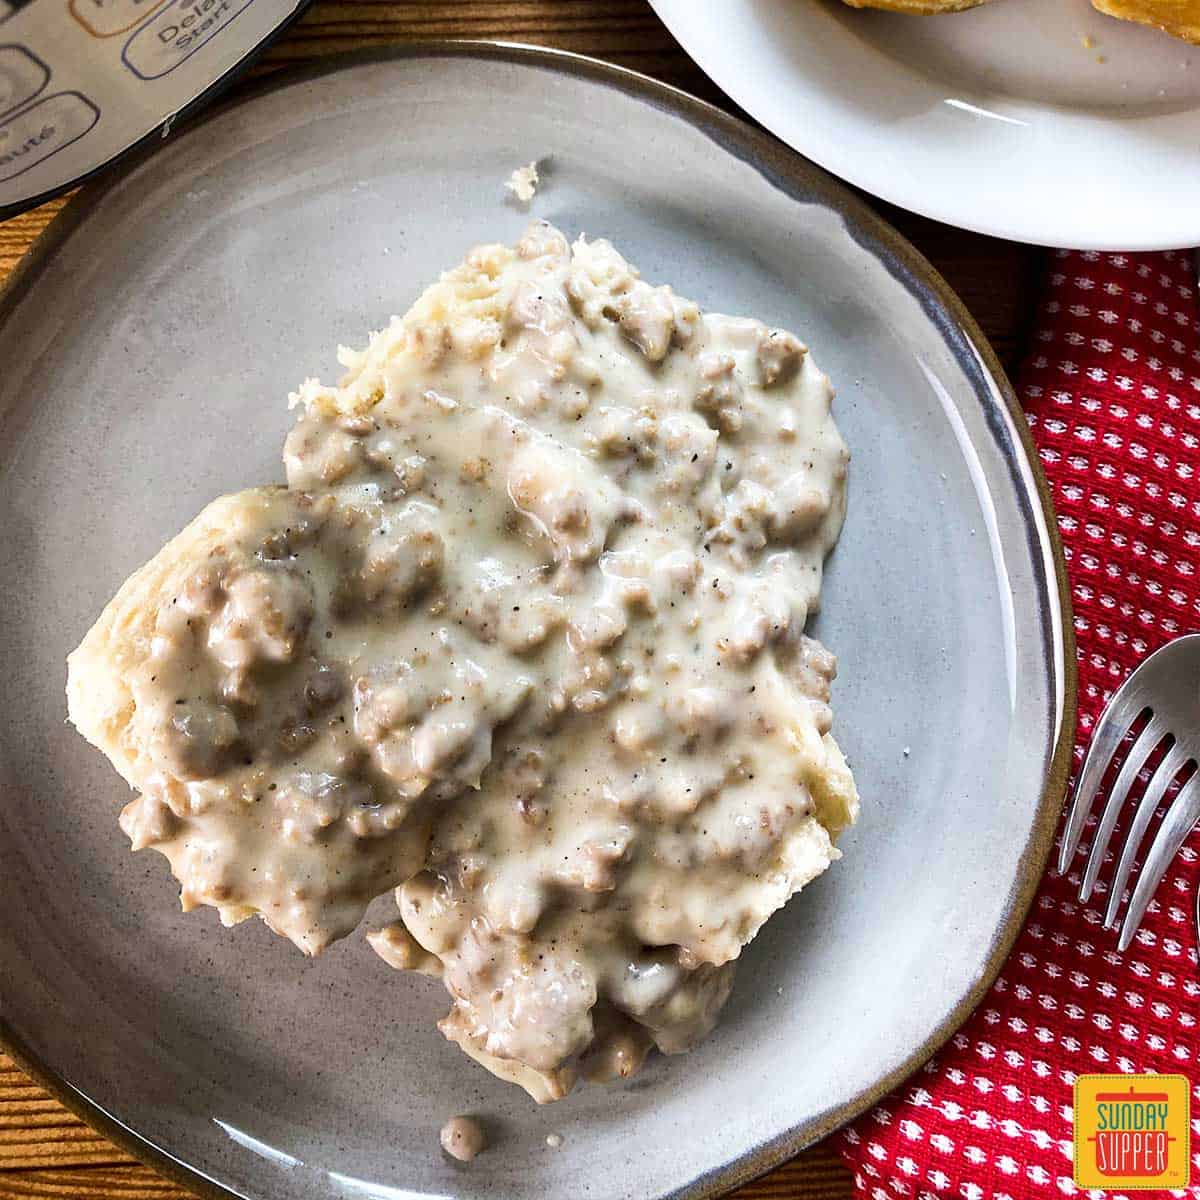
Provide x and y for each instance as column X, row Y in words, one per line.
column 999, row 120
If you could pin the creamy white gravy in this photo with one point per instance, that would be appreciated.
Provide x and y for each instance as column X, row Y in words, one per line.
column 523, row 635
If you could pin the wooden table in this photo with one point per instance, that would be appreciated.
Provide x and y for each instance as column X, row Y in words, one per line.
column 44, row 1151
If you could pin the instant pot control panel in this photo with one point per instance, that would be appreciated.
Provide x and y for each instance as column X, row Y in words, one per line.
column 81, row 81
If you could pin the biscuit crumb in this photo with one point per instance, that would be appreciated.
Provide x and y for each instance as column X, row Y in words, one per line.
column 523, row 182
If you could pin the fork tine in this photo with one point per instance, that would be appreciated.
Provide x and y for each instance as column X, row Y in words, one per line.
column 1155, row 790
column 1153, row 733
column 1177, row 824
column 1121, row 712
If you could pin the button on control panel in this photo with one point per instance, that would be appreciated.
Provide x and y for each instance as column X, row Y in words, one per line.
column 22, row 76
column 42, row 130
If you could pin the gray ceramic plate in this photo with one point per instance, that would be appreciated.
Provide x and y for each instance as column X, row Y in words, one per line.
column 148, row 345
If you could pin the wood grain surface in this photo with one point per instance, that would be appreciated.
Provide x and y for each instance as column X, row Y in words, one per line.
column 46, row 1152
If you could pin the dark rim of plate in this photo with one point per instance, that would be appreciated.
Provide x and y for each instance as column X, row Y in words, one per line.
column 793, row 175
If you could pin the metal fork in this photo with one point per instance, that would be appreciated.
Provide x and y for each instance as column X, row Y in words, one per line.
column 1166, row 686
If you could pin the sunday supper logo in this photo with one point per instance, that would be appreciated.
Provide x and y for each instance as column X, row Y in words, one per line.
column 1132, row 1131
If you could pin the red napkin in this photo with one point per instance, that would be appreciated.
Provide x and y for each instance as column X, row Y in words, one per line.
column 1111, row 388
